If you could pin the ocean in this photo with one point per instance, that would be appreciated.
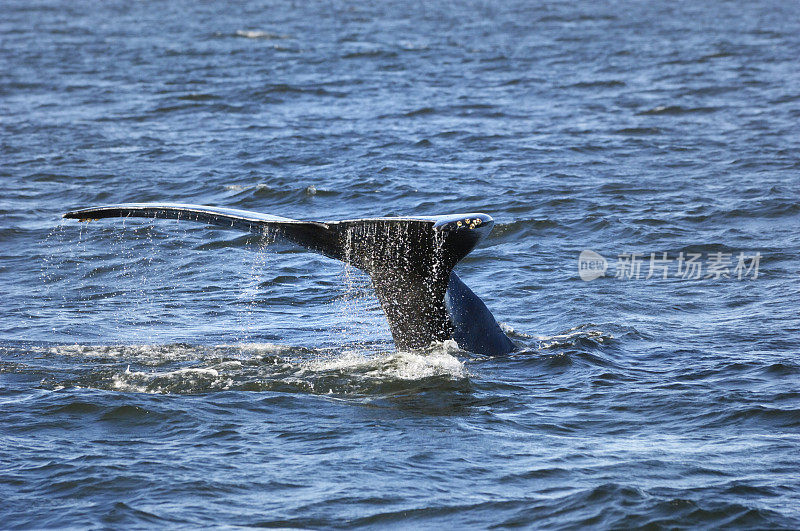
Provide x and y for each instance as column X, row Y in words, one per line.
column 641, row 161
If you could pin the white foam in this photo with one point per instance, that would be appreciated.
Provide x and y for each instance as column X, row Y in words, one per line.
column 263, row 365
column 570, row 335
column 228, row 365
column 170, row 381
column 152, row 355
column 254, row 34
column 508, row 330
column 397, row 365
column 260, row 349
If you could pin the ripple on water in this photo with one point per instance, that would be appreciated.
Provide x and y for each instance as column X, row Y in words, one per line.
column 188, row 369
column 129, row 397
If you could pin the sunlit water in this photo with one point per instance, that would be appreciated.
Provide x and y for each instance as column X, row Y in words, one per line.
column 165, row 373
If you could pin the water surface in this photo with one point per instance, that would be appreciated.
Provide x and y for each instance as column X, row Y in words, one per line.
column 171, row 374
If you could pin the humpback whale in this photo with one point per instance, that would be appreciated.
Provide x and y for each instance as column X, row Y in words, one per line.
column 410, row 261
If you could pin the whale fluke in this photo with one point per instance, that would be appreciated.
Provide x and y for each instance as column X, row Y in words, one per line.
column 409, row 260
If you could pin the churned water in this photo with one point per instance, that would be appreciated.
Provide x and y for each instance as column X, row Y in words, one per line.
column 162, row 373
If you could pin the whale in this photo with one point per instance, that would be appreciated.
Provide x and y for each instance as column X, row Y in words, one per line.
column 409, row 261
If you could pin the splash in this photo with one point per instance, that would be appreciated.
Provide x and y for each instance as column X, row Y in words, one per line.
column 188, row 369
column 437, row 361
column 189, row 380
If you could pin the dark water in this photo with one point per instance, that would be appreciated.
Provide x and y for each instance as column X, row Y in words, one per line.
column 164, row 373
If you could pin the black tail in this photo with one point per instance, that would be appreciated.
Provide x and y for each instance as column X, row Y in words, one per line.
column 408, row 259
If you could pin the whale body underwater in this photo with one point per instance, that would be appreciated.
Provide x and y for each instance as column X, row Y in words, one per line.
column 409, row 260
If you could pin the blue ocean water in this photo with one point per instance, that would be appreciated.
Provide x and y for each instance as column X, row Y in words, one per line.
column 161, row 373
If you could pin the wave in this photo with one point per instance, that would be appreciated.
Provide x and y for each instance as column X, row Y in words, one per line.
column 191, row 369
column 256, row 34
column 678, row 110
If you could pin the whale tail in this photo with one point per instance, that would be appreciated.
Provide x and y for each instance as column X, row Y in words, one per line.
column 409, row 259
